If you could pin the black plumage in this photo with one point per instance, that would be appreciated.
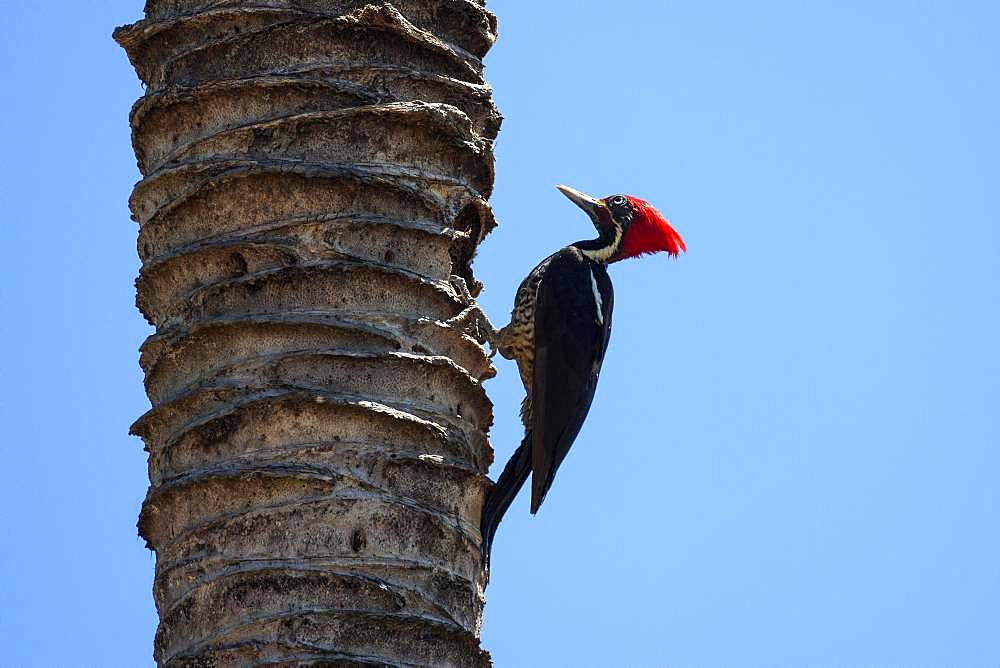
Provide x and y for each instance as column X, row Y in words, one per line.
column 571, row 308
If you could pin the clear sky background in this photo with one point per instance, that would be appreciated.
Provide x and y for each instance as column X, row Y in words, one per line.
column 794, row 454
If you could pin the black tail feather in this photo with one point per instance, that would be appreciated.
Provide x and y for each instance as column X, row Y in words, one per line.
column 502, row 495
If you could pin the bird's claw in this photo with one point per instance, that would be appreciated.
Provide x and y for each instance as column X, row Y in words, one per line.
column 473, row 320
column 462, row 290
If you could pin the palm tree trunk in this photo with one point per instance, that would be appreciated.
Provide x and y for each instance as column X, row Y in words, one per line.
column 315, row 174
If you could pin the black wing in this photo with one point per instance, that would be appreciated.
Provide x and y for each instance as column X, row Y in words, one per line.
column 572, row 327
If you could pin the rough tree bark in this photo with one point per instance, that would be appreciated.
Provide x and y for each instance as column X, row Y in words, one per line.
column 315, row 174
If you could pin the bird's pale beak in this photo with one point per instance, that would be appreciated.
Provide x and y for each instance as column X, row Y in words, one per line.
column 591, row 205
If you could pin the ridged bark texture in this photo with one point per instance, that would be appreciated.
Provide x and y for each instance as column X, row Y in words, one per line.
column 315, row 173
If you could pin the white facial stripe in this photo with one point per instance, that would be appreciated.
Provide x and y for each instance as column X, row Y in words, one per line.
column 597, row 298
column 604, row 254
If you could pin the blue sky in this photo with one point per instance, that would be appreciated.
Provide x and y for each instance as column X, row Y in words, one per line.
column 793, row 454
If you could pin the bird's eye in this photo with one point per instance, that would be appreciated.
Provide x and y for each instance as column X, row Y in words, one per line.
column 618, row 200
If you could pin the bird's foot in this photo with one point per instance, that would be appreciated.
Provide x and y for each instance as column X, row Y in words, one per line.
column 462, row 290
column 473, row 320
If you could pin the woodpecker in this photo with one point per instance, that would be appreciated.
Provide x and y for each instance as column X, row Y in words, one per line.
column 558, row 334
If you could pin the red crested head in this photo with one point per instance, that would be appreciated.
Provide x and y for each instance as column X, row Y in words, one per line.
column 628, row 227
column 648, row 232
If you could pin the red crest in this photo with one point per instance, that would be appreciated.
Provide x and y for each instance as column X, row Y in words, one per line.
column 650, row 232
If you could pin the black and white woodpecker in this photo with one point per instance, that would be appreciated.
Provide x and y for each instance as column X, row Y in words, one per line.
column 558, row 334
